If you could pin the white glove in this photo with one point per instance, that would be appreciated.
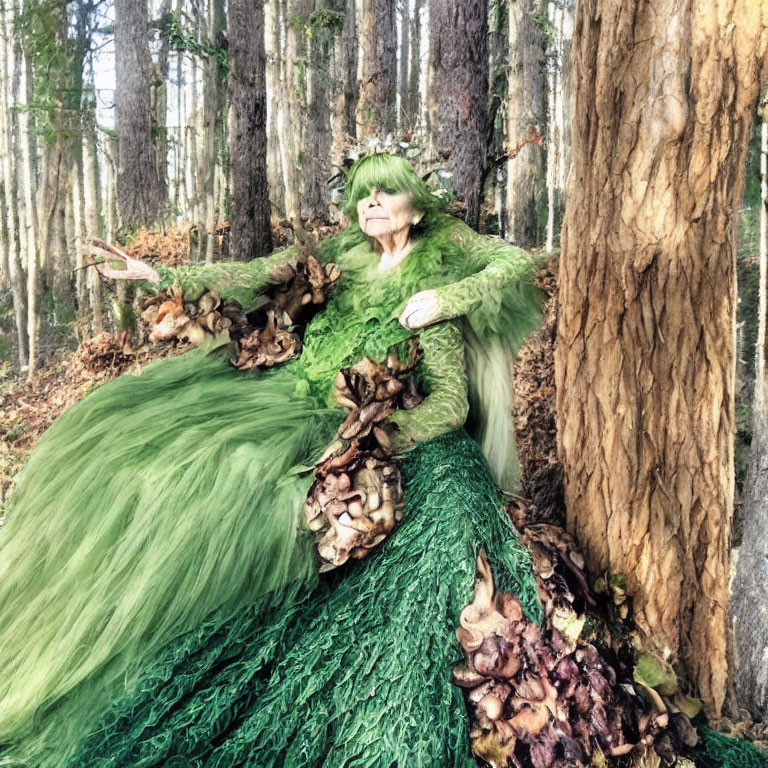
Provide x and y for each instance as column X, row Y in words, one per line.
column 422, row 309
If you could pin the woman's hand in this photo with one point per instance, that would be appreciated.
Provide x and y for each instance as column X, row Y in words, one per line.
column 134, row 269
column 422, row 309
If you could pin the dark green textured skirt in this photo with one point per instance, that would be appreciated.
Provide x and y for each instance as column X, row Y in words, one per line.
column 357, row 673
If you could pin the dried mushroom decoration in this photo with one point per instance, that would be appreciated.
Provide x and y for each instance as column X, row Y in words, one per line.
column 357, row 498
column 268, row 334
column 564, row 693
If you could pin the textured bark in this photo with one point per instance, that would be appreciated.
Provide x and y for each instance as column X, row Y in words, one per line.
column 140, row 189
column 212, row 110
column 344, row 79
column 289, row 117
column 273, row 53
column 750, row 611
column 159, row 92
column 526, row 112
column 414, row 68
column 663, row 100
column 377, row 70
column 404, row 114
column 251, row 235
column 498, row 50
column 316, row 139
column 9, row 81
column 458, row 93
column 93, row 219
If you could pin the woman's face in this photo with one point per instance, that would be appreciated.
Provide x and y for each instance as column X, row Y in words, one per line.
column 385, row 212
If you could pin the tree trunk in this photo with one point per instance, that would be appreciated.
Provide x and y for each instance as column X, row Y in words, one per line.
column 140, row 189
column 316, row 140
column 458, row 94
column 526, row 116
column 750, row 611
column 377, row 73
column 344, row 83
column 498, row 41
column 414, row 68
column 159, row 92
column 663, row 101
column 404, row 117
column 251, row 234
column 288, row 118
column 273, row 53
column 93, row 218
column 9, row 80
column 559, row 128
column 212, row 108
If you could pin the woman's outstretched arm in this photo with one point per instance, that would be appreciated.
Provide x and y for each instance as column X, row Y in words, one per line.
column 446, row 406
column 238, row 281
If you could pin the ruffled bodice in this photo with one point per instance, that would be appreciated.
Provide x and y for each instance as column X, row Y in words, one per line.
column 361, row 317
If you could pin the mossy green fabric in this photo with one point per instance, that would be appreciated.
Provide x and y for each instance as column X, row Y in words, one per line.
column 716, row 750
column 356, row 675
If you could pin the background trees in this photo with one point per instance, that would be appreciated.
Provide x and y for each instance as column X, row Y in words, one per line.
column 119, row 115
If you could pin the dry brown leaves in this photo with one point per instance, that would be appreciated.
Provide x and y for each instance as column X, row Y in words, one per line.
column 535, row 387
column 170, row 248
column 565, row 693
column 356, row 499
column 30, row 408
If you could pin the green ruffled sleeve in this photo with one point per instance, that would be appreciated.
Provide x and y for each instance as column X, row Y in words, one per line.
column 446, row 406
column 495, row 269
column 240, row 281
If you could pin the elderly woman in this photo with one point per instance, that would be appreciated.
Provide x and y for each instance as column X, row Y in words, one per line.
column 160, row 603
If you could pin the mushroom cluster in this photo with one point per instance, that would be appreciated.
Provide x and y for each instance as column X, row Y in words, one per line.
column 560, row 694
column 356, row 499
column 264, row 336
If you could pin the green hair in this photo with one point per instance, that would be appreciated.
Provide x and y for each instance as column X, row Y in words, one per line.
column 386, row 172
column 390, row 173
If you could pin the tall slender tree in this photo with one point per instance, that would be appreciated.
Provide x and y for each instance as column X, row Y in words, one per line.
column 749, row 611
column 664, row 97
column 458, row 94
column 526, row 117
column 251, row 235
column 140, row 188
column 377, row 72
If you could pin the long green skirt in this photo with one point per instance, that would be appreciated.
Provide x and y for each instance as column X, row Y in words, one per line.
column 154, row 502
column 154, row 560
column 358, row 674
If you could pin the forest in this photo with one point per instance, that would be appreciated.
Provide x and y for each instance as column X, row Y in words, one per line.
column 622, row 144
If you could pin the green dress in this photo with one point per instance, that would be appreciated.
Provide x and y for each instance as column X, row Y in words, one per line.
column 159, row 596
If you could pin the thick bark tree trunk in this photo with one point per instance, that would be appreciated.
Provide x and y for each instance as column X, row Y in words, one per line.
column 377, row 72
column 251, row 234
column 458, row 94
column 663, row 101
column 140, row 189
column 404, row 116
column 526, row 113
column 750, row 610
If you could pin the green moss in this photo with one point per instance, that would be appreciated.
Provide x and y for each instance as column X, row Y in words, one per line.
column 326, row 19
